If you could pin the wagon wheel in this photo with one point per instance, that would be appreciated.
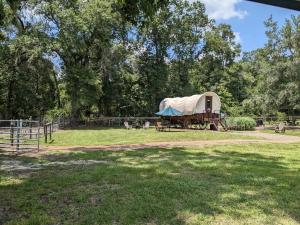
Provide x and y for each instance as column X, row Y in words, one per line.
column 194, row 126
column 186, row 124
column 202, row 126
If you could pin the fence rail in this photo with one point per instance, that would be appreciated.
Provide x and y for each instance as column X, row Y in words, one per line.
column 24, row 135
column 19, row 135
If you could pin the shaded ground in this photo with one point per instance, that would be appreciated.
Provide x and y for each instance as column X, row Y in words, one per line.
column 233, row 181
column 224, row 184
column 16, row 165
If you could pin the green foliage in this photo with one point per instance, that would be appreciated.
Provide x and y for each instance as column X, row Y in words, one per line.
column 122, row 57
column 273, row 71
column 235, row 110
column 133, row 10
column 240, row 123
column 56, row 113
column 281, row 116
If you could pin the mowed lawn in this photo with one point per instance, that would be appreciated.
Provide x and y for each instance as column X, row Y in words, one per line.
column 114, row 136
column 287, row 132
column 240, row 184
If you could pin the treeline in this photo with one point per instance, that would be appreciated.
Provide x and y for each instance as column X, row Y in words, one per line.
column 122, row 57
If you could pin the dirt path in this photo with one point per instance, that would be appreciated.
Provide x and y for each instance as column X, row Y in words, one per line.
column 12, row 165
column 154, row 145
column 267, row 138
column 276, row 138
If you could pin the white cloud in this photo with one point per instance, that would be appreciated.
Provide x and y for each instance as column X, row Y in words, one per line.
column 238, row 38
column 223, row 9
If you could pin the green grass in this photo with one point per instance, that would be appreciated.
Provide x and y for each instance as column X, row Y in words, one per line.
column 249, row 184
column 113, row 136
column 287, row 132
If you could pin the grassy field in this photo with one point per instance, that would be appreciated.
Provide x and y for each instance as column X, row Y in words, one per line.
column 113, row 136
column 287, row 132
column 249, row 184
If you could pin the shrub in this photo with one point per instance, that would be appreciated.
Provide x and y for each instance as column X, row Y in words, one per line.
column 281, row 116
column 240, row 123
column 55, row 114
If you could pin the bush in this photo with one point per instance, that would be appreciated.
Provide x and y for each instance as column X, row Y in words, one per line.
column 281, row 116
column 55, row 114
column 240, row 123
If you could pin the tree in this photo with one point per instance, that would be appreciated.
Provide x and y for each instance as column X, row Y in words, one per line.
column 122, row 57
column 276, row 68
column 217, row 69
column 79, row 33
column 26, row 77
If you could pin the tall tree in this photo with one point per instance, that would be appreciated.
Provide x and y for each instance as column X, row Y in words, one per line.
column 277, row 66
column 79, row 33
column 26, row 77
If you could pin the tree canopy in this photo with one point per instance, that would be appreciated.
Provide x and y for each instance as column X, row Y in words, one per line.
column 122, row 57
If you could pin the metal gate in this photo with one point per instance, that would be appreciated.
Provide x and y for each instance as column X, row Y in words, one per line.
column 19, row 135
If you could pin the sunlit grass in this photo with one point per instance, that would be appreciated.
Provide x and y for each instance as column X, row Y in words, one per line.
column 249, row 184
column 123, row 136
column 287, row 132
column 9, row 180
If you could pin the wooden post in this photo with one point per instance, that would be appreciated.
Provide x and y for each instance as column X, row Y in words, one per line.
column 45, row 132
column 50, row 124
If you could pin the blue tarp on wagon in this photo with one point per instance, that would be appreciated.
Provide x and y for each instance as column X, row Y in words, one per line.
column 169, row 111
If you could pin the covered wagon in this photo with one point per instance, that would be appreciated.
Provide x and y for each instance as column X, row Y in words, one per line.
column 203, row 109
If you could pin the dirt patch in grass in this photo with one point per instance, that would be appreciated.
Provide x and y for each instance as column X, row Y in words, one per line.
column 262, row 138
column 272, row 137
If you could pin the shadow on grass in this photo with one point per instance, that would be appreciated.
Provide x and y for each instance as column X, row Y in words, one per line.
column 159, row 186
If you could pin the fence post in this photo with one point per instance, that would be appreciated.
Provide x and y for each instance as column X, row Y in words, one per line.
column 11, row 133
column 50, row 124
column 38, row 137
column 45, row 132
column 30, row 127
column 19, row 125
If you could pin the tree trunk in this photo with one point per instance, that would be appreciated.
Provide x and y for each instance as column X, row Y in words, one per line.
column 74, row 111
column 57, row 90
column 8, row 114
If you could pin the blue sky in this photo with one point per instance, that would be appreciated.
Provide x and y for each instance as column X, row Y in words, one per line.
column 246, row 19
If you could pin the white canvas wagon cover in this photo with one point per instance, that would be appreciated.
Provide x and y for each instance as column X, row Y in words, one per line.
column 193, row 104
